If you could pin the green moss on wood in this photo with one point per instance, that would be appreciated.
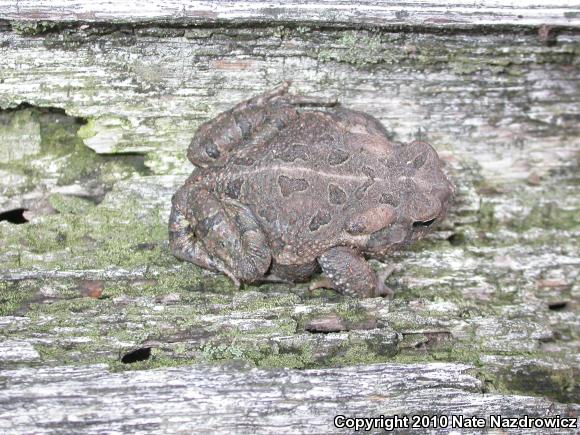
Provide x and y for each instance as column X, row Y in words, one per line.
column 34, row 28
column 14, row 297
column 51, row 147
column 362, row 48
column 534, row 377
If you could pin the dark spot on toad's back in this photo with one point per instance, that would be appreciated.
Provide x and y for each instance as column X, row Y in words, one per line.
column 389, row 199
column 245, row 127
column 336, row 195
column 322, row 217
column 356, row 226
column 419, row 161
column 212, row 151
column 290, row 185
column 369, row 172
column 338, row 156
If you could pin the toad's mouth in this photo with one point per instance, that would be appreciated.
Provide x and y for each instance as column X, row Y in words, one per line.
column 387, row 239
column 397, row 236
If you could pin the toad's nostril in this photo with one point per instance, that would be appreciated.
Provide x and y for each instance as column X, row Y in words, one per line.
column 423, row 224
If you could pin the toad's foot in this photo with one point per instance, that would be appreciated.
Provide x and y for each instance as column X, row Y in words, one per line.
column 382, row 289
column 321, row 283
column 350, row 274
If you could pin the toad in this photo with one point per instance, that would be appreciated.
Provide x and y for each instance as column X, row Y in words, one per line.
column 286, row 185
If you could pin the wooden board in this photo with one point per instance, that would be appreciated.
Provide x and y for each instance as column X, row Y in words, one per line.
column 102, row 329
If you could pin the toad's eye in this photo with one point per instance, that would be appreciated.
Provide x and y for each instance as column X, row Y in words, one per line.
column 423, row 224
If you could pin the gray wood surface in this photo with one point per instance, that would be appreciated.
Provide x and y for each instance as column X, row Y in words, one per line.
column 451, row 14
column 200, row 399
column 98, row 102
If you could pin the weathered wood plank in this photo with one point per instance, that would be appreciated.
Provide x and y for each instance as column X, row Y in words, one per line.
column 454, row 14
column 225, row 399
column 511, row 105
column 99, row 102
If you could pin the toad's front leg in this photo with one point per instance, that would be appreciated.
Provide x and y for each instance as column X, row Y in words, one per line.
column 350, row 274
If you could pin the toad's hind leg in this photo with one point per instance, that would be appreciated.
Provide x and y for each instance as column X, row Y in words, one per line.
column 252, row 122
column 227, row 240
column 231, row 233
column 184, row 244
column 234, row 128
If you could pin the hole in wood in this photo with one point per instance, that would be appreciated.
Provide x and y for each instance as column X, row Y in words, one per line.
column 141, row 354
column 456, row 239
column 15, row 216
column 557, row 306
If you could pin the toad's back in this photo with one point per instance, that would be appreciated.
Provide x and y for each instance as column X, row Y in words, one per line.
column 311, row 180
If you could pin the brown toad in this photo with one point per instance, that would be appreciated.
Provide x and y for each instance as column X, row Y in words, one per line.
column 282, row 188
